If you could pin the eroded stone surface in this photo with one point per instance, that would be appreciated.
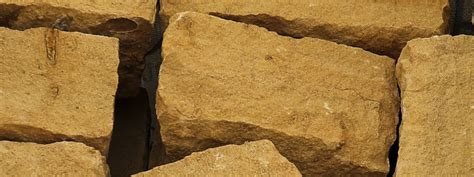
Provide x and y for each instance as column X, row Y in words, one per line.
column 58, row 159
column 436, row 79
column 130, row 21
column 330, row 109
column 57, row 86
column 259, row 158
column 382, row 27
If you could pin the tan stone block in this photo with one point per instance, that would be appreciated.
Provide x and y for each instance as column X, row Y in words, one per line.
column 57, row 159
column 382, row 26
column 330, row 109
column 259, row 158
column 57, row 86
column 130, row 21
column 436, row 79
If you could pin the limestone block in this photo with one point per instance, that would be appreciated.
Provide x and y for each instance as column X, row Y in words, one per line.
column 57, row 159
column 330, row 109
column 436, row 79
column 259, row 158
column 130, row 21
column 57, row 86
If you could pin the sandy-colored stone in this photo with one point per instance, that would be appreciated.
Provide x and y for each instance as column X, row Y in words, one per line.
column 382, row 26
column 436, row 79
column 330, row 109
column 57, row 159
column 130, row 21
column 57, row 86
column 259, row 158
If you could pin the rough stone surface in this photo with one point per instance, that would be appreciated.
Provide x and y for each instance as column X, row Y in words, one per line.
column 58, row 159
column 330, row 109
column 259, row 158
column 382, row 26
column 436, row 78
column 130, row 21
column 57, row 86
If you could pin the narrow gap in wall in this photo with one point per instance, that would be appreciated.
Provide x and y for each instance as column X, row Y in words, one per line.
column 150, row 80
column 393, row 152
column 128, row 146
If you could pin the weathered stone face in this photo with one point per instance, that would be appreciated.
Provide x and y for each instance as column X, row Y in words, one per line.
column 259, row 158
column 436, row 79
column 58, row 159
column 130, row 21
column 330, row 109
column 382, row 27
column 57, row 86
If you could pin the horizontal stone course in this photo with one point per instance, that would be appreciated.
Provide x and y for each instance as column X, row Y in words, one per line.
column 382, row 27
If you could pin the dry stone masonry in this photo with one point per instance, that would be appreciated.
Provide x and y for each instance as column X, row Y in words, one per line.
column 130, row 21
column 382, row 27
column 57, row 86
column 246, row 88
column 259, row 158
column 57, row 159
column 436, row 81
column 330, row 109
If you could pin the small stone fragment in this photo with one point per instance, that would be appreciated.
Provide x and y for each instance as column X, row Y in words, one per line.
column 259, row 158
column 436, row 81
column 330, row 109
column 382, row 27
column 57, row 86
column 130, row 21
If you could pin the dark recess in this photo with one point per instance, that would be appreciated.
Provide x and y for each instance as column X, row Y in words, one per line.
column 128, row 150
column 136, row 129
column 461, row 13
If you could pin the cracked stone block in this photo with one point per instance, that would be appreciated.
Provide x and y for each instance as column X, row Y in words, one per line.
column 57, row 86
column 130, row 21
column 57, row 159
column 382, row 27
column 259, row 158
column 436, row 78
column 330, row 109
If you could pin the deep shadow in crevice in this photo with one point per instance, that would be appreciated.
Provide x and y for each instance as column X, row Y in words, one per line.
column 393, row 152
column 153, row 60
column 128, row 150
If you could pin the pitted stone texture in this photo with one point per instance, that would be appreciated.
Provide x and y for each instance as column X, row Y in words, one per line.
column 330, row 109
column 382, row 27
column 436, row 78
column 57, row 86
column 130, row 21
column 259, row 158
column 57, row 159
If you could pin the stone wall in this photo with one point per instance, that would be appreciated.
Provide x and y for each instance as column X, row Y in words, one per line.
column 242, row 88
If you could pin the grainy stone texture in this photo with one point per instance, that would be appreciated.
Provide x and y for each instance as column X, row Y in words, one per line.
column 330, row 109
column 130, row 21
column 436, row 78
column 57, row 86
column 259, row 158
column 382, row 27
column 57, row 159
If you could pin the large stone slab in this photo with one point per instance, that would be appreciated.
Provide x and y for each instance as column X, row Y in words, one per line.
column 330, row 109
column 259, row 158
column 436, row 78
column 58, row 159
column 57, row 86
column 130, row 21
column 382, row 27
